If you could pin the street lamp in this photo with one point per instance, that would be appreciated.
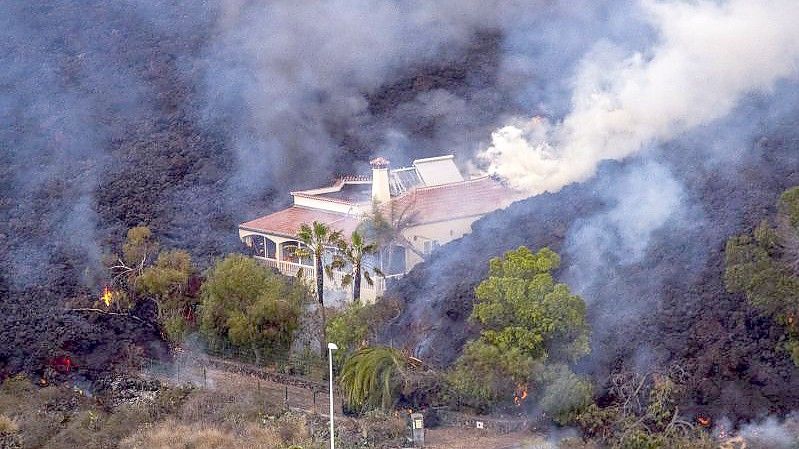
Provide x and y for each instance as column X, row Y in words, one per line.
column 330, row 348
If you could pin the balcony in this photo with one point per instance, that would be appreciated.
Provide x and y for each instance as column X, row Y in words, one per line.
column 369, row 293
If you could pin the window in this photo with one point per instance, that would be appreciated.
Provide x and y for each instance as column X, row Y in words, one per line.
column 430, row 246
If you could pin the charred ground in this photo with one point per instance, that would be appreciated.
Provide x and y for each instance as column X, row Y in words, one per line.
column 146, row 151
column 108, row 128
column 667, row 307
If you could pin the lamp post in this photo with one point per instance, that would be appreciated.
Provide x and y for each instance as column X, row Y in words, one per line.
column 330, row 348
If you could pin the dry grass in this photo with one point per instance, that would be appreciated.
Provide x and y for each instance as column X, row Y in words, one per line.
column 171, row 434
column 8, row 425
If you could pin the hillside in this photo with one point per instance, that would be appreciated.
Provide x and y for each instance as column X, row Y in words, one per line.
column 113, row 117
column 656, row 295
column 191, row 117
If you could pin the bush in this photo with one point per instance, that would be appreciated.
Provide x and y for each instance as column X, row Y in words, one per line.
column 371, row 378
column 8, row 425
column 249, row 306
column 565, row 394
column 527, row 320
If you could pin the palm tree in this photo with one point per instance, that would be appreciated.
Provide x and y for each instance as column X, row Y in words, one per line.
column 316, row 237
column 352, row 254
column 387, row 231
column 372, row 378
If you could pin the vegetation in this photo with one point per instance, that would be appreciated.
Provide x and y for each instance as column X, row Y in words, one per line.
column 356, row 325
column 764, row 265
column 249, row 306
column 353, row 255
column 371, row 378
column 641, row 412
column 317, row 237
column 144, row 274
column 8, row 425
column 167, row 282
column 388, row 232
column 528, row 321
column 227, row 416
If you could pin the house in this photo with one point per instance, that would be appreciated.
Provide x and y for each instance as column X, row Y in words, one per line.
column 424, row 206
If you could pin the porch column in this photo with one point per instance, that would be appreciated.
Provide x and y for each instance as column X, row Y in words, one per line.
column 278, row 249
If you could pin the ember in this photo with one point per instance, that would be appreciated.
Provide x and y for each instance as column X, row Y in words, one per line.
column 62, row 364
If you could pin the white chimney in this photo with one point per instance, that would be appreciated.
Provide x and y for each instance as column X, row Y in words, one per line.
column 381, row 191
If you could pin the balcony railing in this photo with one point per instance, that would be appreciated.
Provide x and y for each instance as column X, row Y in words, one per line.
column 368, row 292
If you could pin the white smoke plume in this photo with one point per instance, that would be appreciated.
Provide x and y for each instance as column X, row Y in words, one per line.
column 708, row 55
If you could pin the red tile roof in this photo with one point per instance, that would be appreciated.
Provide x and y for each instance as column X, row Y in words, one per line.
column 287, row 221
column 422, row 205
column 456, row 200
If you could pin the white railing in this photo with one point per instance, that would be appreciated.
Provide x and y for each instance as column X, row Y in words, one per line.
column 368, row 292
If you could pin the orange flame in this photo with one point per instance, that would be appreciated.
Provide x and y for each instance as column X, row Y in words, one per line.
column 703, row 421
column 520, row 395
column 107, row 296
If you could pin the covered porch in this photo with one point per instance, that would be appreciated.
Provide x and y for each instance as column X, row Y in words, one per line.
column 281, row 253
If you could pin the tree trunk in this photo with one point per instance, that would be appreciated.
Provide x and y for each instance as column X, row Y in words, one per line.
column 320, row 297
column 356, row 284
column 257, row 353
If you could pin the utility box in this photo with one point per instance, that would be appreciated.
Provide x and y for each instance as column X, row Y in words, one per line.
column 417, row 427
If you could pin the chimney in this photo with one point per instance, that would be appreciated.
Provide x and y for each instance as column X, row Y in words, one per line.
column 380, row 182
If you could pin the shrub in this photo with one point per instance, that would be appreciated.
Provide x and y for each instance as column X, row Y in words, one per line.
column 371, row 378
column 565, row 394
column 527, row 320
column 251, row 307
column 8, row 425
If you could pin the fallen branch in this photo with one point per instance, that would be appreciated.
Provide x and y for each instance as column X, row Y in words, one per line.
column 106, row 312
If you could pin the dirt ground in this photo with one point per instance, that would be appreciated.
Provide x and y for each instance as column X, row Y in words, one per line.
column 459, row 438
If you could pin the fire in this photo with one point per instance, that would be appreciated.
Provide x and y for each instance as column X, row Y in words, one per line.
column 520, row 395
column 703, row 421
column 107, row 296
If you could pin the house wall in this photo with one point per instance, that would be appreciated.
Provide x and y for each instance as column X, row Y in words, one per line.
column 442, row 232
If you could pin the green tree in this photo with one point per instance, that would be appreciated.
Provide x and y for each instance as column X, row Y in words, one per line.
column 357, row 324
column 372, row 378
column 250, row 306
column 352, row 254
column 527, row 320
column 349, row 330
column 166, row 283
column 145, row 273
column 789, row 205
column 317, row 237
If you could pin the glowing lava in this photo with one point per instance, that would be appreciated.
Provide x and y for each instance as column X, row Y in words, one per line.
column 703, row 421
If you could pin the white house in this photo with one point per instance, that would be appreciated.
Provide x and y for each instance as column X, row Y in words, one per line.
column 428, row 204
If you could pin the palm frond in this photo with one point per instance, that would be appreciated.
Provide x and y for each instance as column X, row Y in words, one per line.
column 368, row 278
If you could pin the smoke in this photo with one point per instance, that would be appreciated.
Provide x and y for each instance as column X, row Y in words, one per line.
column 707, row 56
column 297, row 85
column 642, row 199
column 771, row 433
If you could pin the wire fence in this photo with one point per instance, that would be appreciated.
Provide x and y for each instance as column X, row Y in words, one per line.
column 305, row 364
